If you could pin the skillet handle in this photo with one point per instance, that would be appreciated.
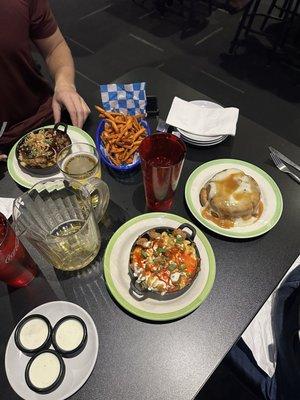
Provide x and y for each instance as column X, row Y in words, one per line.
column 191, row 228
column 135, row 292
column 58, row 124
column 135, row 289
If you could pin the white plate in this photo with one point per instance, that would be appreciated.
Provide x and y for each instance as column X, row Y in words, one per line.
column 198, row 141
column 200, row 144
column 28, row 179
column 271, row 197
column 200, row 138
column 116, row 262
column 78, row 369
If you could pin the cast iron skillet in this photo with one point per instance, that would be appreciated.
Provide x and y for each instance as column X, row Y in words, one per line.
column 140, row 293
column 40, row 170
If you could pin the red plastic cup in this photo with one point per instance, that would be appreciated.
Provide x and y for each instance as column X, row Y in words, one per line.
column 162, row 156
column 17, row 268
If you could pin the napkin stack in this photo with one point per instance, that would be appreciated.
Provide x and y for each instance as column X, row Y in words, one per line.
column 202, row 121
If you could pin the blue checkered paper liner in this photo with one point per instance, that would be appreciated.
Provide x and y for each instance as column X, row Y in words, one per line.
column 127, row 98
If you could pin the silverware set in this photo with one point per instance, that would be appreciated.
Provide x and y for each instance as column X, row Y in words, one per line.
column 278, row 159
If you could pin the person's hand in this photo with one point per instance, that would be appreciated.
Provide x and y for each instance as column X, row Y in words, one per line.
column 66, row 96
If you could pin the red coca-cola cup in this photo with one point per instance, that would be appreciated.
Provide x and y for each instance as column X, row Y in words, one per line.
column 17, row 268
column 162, row 156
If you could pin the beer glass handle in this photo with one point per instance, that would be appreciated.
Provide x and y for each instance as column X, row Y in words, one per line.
column 99, row 193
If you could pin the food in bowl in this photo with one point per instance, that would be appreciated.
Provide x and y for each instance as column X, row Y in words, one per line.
column 164, row 260
column 231, row 198
column 39, row 148
column 122, row 136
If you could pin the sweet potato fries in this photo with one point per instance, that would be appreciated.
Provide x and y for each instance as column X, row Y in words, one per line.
column 122, row 135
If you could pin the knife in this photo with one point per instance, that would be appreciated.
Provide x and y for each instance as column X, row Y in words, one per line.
column 284, row 158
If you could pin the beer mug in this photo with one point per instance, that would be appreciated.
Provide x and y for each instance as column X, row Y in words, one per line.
column 80, row 162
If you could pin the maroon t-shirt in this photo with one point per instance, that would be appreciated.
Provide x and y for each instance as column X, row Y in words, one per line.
column 25, row 96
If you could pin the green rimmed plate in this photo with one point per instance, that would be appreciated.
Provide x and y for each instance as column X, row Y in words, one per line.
column 116, row 261
column 27, row 179
column 271, row 197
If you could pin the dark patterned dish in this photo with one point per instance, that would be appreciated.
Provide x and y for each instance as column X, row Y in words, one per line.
column 37, row 151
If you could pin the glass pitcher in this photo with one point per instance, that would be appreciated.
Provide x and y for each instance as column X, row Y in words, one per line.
column 57, row 217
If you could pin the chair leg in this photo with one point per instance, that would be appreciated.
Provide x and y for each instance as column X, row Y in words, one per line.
column 181, row 7
column 251, row 17
column 191, row 17
column 285, row 24
column 160, row 6
column 265, row 20
column 283, row 8
column 290, row 22
column 209, row 7
column 239, row 29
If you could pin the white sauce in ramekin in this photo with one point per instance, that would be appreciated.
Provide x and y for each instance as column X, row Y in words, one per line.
column 44, row 370
column 69, row 334
column 33, row 333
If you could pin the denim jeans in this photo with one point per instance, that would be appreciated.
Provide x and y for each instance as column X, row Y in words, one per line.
column 285, row 383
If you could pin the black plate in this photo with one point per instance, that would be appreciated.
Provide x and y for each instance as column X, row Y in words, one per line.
column 39, row 170
column 141, row 293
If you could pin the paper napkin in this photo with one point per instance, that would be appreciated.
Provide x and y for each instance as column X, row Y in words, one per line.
column 127, row 98
column 6, row 206
column 202, row 120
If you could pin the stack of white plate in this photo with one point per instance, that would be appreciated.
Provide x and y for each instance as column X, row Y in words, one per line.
column 197, row 140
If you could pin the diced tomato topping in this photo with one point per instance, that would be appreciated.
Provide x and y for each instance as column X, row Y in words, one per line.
column 137, row 255
column 190, row 263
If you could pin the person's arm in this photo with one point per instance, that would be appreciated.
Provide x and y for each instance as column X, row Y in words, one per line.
column 59, row 60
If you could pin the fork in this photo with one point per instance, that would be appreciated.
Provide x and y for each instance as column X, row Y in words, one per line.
column 282, row 167
column 3, row 128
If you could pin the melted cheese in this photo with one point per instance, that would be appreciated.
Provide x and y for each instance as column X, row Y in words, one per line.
column 175, row 277
column 221, row 176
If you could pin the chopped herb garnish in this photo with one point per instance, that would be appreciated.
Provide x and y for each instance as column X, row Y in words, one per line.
column 144, row 254
column 161, row 250
column 172, row 267
column 181, row 267
column 179, row 239
column 32, row 152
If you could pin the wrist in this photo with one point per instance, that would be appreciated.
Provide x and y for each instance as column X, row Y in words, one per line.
column 59, row 86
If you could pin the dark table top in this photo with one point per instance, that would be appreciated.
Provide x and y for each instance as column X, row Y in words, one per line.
column 139, row 359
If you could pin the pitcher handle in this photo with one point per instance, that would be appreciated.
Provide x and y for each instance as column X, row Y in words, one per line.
column 99, row 191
